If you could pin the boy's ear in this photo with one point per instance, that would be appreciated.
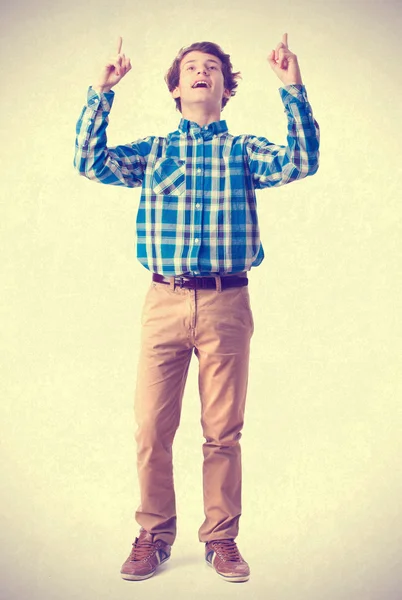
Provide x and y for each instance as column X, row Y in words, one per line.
column 176, row 93
column 227, row 94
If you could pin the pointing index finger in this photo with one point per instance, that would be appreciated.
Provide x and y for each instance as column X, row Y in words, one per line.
column 285, row 39
column 119, row 45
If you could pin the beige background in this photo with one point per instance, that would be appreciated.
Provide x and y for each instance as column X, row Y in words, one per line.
column 322, row 440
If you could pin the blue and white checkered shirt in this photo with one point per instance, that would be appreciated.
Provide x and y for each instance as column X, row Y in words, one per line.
column 197, row 212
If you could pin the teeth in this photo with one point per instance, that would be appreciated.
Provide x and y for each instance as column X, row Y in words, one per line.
column 199, row 83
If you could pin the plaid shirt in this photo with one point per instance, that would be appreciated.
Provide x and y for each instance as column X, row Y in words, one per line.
column 198, row 212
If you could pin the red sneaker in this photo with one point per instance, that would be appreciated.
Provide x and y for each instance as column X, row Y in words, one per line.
column 225, row 558
column 145, row 557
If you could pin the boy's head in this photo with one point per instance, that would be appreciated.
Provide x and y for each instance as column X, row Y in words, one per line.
column 202, row 61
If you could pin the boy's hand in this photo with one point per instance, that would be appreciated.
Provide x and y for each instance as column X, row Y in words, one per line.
column 114, row 70
column 284, row 63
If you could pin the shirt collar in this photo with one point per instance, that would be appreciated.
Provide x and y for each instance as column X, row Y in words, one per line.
column 215, row 128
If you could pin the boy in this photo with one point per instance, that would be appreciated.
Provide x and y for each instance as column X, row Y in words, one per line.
column 198, row 234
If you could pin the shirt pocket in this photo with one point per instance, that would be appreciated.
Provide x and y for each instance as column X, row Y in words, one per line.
column 169, row 177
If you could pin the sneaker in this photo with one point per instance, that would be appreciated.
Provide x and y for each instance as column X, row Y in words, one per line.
column 145, row 557
column 225, row 558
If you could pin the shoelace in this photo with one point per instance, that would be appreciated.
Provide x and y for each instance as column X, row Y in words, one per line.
column 141, row 549
column 227, row 550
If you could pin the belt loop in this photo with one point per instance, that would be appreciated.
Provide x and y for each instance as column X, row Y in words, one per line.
column 218, row 283
column 172, row 283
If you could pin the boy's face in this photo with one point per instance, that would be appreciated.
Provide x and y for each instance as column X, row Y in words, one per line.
column 198, row 66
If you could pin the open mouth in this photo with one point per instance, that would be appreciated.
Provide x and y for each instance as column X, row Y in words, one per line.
column 200, row 84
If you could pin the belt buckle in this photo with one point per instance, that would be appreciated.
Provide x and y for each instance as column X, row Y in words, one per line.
column 181, row 279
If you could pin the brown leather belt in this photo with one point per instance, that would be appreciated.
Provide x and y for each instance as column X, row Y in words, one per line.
column 202, row 283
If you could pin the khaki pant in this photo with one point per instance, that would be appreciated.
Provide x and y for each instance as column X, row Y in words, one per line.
column 218, row 327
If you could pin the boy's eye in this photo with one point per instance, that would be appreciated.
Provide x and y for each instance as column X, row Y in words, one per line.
column 191, row 67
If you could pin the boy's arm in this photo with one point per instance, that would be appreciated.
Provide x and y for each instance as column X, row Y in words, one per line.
column 116, row 165
column 274, row 165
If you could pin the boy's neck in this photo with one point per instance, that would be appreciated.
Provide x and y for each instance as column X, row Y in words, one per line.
column 201, row 116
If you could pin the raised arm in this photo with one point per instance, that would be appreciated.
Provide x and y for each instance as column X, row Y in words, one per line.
column 118, row 165
column 274, row 165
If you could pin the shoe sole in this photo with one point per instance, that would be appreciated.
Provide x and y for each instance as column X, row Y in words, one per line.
column 231, row 578
column 130, row 577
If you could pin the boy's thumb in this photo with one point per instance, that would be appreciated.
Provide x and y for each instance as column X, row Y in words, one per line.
column 271, row 58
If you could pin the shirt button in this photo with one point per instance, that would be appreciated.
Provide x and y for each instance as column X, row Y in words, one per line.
column 199, row 170
column 196, row 240
column 197, row 205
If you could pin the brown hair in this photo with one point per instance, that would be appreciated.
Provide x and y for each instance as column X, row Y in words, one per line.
column 172, row 77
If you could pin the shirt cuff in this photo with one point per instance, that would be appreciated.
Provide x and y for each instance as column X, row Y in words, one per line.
column 290, row 93
column 104, row 99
